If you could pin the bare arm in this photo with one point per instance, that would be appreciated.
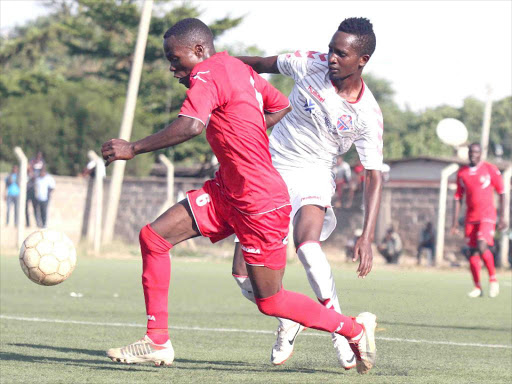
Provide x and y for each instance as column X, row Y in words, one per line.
column 180, row 130
column 372, row 195
column 272, row 119
column 502, row 224
column 456, row 212
column 261, row 64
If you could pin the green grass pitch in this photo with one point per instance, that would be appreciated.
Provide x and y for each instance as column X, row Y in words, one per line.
column 428, row 330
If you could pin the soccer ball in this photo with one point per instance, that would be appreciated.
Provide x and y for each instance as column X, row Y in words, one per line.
column 47, row 257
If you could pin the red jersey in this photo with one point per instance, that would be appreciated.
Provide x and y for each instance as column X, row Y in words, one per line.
column 230, row 98
column 479, row 183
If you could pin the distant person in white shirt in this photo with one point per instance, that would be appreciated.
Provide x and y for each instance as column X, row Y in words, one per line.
column 44, row 185
column 332, row 109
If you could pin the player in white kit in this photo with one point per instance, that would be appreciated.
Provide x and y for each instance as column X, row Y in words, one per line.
column 332, row 109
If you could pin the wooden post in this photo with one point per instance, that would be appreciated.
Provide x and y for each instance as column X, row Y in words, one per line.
column 127, row 122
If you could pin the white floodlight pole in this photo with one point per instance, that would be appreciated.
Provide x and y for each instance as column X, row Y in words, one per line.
column 504, row 241
column 441, row 213
column 22, row 182
column 98, row 192
column 127, row 122
column 486, row 124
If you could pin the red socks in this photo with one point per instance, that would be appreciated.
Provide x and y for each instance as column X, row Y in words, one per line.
column 156, row 275
column 475, row 266
column 489, row 264
column 301, row 309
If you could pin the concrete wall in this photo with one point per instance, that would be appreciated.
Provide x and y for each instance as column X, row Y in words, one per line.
column 407, row 208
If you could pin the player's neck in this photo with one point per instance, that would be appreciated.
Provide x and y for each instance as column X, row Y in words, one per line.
column 349, row 88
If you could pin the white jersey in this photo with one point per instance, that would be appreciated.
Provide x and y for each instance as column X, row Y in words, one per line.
column 323, row 125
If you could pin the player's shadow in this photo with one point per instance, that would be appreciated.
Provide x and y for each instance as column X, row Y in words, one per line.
column 90, row 352
column 462, row 327
column 105, row 364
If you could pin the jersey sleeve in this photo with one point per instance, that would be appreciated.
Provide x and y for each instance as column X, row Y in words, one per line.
column 459, row 192
column 497, row 180
column 202, row 97
column 370, row 143
column 273, row 100
column 294, row 65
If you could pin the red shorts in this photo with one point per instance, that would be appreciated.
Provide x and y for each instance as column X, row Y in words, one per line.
column 482, row 230
column 263, row 237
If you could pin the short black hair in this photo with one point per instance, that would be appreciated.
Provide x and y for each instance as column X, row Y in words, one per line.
column 363, row 29
column 191, row 31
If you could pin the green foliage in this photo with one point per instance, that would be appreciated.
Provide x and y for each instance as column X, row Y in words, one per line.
column 65, row 76
column 64, row 79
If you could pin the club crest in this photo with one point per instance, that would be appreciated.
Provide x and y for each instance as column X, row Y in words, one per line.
column 344, row 123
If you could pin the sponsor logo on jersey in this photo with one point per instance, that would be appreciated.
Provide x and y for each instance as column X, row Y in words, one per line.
column 151, row 318
column 198, row 77
column 310, row 197
column 315, row 93
column 251, row 250
column 285, row 240
column 344, row 123
column 309, row 105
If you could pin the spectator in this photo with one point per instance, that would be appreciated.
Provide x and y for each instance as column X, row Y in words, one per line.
column 36, row 164
column 342, row 176
column 427, row 242
column 385, row 172
column 351, row 243
column 391, row 246
column 12, row 194
column 44, row 185
column 356, row 183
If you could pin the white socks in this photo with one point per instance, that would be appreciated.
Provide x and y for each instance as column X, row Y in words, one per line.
column 245, row 286
column 319, row 274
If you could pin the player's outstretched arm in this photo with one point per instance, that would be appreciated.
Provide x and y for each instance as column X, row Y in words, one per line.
column 363, row 247
column 180, row 130
column 261, row 64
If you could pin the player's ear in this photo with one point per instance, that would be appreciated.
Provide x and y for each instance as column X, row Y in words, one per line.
column 199, row 50
column 363, row 60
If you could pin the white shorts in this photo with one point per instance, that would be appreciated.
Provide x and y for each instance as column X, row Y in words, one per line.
column 311, row 186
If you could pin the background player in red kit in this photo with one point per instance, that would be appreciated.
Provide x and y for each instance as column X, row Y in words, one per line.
column 247, row 196
column 478, row 182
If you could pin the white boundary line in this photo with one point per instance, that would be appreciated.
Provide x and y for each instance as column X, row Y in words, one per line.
column 135, row 325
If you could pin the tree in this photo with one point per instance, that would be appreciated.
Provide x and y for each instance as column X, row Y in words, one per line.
column 70, row 70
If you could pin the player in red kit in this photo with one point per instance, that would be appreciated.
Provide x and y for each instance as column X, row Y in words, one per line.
column 247, row 197
column 478, row 181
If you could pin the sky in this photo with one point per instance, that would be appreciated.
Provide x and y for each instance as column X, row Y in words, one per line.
column 432, row 52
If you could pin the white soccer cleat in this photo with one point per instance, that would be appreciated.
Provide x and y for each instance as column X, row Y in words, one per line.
column 476, row 292
column 363, row 345
column 143, row 351
column 346, row 357
column 494, row 289
column 283, row 347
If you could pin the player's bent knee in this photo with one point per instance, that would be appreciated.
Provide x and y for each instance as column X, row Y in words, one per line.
column 152, row 242
column 245, row 287
column 271, row 306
